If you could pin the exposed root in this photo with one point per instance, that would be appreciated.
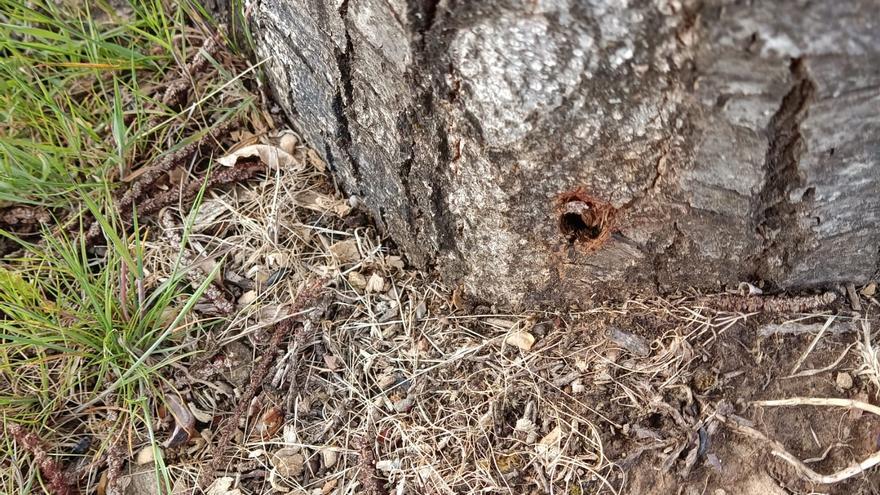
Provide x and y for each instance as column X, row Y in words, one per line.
column 21, row 215
column 779, row 450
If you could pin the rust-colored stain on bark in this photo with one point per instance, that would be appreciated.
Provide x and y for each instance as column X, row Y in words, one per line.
column 584, row 220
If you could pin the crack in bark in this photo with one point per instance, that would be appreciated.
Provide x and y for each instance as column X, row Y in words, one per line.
column 777, row 224
column 344, row 96
column 439, row 227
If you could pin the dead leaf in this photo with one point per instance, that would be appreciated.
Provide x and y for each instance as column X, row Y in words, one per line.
column 395, row 262
column 223, row 486
column 329, row 486
column 870, row 289
column 101, row 488
column 498, row 322
column 323, row 203
column 332, row 362
column 458, row 298
column 523, row 340
column 204, row 417
column 273, row 156
column 376, row 283
column 548, row 447
column 345, row 251
column 184, row 423
column 270, row 422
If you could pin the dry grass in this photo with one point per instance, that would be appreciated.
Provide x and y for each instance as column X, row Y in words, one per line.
column 389, row 382
column 392, row 370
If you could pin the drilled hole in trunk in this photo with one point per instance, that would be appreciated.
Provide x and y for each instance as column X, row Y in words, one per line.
column 578, row 224
column 583, row 220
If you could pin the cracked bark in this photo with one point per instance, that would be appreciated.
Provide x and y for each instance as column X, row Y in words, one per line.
column 734, row 142
column 781, row 234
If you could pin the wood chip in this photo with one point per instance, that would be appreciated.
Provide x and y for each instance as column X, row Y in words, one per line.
column 345, row 251
column 523, row 340
column 854, row 300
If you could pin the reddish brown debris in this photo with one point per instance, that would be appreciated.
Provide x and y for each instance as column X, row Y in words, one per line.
column 51, row 469
column 584, row 220
column 367, row 474
column 282, row 329
column 23, row 215
column 142, row 196
column 176, row 92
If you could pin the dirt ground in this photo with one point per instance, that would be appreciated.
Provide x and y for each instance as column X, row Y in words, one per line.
column 334, row 368
column 389, row 382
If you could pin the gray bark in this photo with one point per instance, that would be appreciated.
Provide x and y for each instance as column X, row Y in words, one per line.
column 553, row 150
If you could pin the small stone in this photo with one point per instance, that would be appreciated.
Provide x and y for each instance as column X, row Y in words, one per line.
column 523, row 340
column 145, row 456
column 288, row 462
column 870, row 289
column 329, row 456
column 288, row 142
column 844, row 380
column 357, row 280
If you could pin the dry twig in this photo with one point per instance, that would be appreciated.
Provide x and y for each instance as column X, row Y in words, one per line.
column 767, row 304
column 282, row 329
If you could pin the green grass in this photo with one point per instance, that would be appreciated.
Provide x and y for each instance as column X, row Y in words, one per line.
column 83, row 335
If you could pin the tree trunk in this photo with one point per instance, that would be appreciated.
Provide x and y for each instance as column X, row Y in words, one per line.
column 553, row 150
